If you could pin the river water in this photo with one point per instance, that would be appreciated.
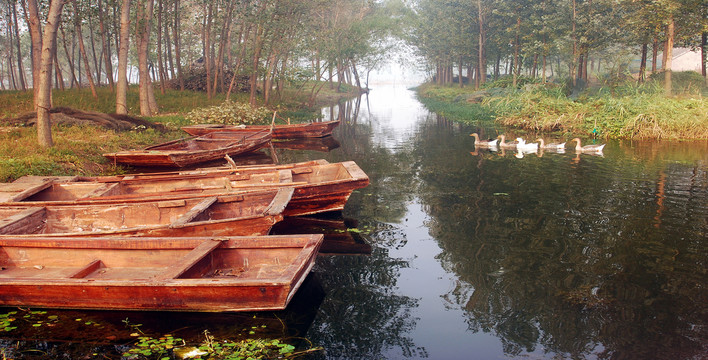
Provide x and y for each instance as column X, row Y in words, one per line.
column 452, row 253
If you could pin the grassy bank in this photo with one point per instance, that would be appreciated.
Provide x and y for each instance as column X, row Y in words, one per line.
column 78, row 149
column 618, row 111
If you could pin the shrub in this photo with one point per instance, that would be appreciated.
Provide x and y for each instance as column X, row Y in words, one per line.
column 229, row 113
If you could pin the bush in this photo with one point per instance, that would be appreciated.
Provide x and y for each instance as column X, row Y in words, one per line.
column 229, row 112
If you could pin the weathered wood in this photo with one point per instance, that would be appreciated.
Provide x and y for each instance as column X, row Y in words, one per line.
column 193, row 150
column 199, row 252
column 157, row 274
column 252, row 213
column 284, row 131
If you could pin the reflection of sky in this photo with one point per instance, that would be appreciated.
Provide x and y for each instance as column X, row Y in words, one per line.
column 441, row 329
column 393, row 112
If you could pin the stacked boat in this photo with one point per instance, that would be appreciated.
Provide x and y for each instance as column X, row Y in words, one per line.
column 191, row 240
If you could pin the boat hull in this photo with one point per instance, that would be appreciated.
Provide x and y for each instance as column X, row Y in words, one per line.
column 156, row 274
column 284, row 131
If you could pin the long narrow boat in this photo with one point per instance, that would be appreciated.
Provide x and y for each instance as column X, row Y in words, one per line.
column 318, row 188
column 76, row 191
column 252, row 213
column 164, row 274
column 194, row 150
column 280, row 131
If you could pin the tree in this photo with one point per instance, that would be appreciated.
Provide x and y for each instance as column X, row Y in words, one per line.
column 122, row 85
column 44, row 92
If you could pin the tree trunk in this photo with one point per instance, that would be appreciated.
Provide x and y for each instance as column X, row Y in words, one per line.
column 106, row 45
column 654, row 52
column 57, row 68
column 257, row 44
column 242, row 54
column 517, row 45
column 207, row 47
column 147, row 95
column 69, row 59
column 44, row 94
column 96, row 59
column 643, row 64
column 160, row 67
column 176, row 36
column 82, row 49
column 20, row 66
column 36, row 37
column 482, row 69
column 122, row 85
column 574, row 36
column 704, row 55
column 668, row 50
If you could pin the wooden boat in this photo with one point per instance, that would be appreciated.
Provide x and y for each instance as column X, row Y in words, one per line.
column 76, row 190
column 280, row 131
column 319, row 188
column 252, row 213
column 323, row 144
column 164, row 274
column 194, row 150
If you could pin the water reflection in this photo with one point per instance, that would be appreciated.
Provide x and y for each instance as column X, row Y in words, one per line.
column 555, row 253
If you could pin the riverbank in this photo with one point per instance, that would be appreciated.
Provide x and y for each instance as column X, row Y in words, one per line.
column 78, row 149
column 627, row 111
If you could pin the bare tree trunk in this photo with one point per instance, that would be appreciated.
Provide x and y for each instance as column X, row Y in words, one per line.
column 654, row 51
column 176, row 36
column 704, row 55
column 160, row 65
column 242, row 54
column 482, row 68
column 69, row 60
column 44, row 95
column 96, row 59
column 668, row 51
column 207, row 47
column 147, row 95
column 106, row 45
column 82, row 49
column 643, row 64
column 60, row 78
column 168, row 48
column 257, row 45
column 122, row 85
column 223, row 41
column 574, row 62
column 36, row 36
column 517, row 45
column 20, row 66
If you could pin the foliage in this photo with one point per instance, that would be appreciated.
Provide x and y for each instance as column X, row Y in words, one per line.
column 6, row 321
column 148, row 347
column 229, row 112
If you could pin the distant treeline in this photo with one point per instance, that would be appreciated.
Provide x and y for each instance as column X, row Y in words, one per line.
column 540, row 38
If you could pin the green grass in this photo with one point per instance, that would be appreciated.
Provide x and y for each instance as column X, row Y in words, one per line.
column 623, row 110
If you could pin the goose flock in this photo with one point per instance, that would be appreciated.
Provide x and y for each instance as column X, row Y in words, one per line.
column 521, row 145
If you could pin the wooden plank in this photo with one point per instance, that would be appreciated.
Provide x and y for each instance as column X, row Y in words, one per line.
column 88, row 269
column 194, row 212
column 102, row 190
column 16, row 220
column 194, row 256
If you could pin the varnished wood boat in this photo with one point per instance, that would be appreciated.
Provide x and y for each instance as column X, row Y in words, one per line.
column 280, row 131
column 319, row 188
column 252, row 213
column 77, row 190
column 194, row 150
column 165, row 274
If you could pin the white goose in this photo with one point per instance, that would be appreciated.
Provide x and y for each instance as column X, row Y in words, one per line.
column 483, row 143
column 587, row 148
column 523, row 146
column 551, row 146
column 506, row 145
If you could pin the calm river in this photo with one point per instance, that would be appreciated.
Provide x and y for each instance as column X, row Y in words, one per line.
column 457, row 254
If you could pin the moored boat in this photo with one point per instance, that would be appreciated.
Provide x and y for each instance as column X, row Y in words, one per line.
column 194, row 150
column 163, row 274
column 251, row 213
column 280, row 131
column 319, row 187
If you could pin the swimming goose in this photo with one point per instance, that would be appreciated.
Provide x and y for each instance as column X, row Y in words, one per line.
column 506, row 145
column 483, row 143
column 522, row 145
column 587, row 148
column 552, row 146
